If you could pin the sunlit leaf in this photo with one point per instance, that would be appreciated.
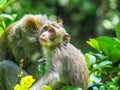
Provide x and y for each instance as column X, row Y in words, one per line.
column 2, row 2
column 45, row 87
column 95, row 78
column 113, row 87
column 3, row 24
column 103, row 63
column 14, row 16
column 93, row 43
column 87, row 59
column 6, row 16
column 102, row 88
column 117, row 30
column 7, row 19
column 110, row 47
column 5, row 3
column 92, row 59
column 1, row 31
column 70, row 88
column 94, row 84
column 100, row 55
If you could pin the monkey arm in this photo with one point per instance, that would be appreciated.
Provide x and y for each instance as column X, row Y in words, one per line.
column 51, row 76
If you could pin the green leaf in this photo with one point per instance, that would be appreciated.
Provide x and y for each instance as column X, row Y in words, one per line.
column 7, row 19
column 102, row 88
column 90, row 58
column 2, row 3
column 3, row 24
column 45, row 87
column 117, row 30
column 92, row 84
column 87, row 59
column 95, row 78
column 93, row 43
column 41, row 68
column 100, row 55
column 6, row 16
column 1, row 31
column 113, row 87
column 110, row 47
column 103, row 63
column 70, row 88
column 5, row 3
column 14, row 16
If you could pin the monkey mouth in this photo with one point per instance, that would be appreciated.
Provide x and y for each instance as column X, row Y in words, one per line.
column 42, row 40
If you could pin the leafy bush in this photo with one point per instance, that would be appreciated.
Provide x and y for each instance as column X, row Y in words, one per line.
column 4, row 4
column 5, row 19
column 104, row 67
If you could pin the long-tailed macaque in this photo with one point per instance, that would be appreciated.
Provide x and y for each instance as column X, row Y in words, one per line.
column 20, row 41
column 65, row 65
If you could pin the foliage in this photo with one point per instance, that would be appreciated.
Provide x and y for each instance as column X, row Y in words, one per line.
column 110, row 46
column 100, row 71
column 41, row 68
column 104, row 67
column 4, row 4
column 25, row 83
column 70, row 88
column 82, row 18
column 45, row 87
column 5, row 19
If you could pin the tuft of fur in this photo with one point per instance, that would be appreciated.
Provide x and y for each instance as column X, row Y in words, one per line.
column 33, row 21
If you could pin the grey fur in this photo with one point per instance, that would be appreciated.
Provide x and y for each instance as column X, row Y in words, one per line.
column 65, row 65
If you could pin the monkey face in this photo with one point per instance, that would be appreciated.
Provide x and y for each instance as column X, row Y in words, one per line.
column 53, row 34
column 48, row 36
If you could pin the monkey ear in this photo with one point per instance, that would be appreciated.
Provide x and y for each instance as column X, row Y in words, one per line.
column 60, row 22
column 66, row 39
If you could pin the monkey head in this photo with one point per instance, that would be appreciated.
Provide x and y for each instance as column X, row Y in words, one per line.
column 53, row 34
column 20, row 39
column 28, row 27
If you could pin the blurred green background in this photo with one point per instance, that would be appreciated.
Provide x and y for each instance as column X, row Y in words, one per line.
column 83, row 19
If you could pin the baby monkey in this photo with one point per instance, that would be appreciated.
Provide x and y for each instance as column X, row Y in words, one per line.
column 65, row 65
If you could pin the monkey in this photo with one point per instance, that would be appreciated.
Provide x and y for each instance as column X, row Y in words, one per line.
column 20, row 41
column 65, row 64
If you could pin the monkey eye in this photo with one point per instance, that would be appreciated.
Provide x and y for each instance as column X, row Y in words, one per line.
column 45, row 28
column 52, row 30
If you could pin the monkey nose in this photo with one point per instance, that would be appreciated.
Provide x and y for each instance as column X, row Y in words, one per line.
column 42, row 36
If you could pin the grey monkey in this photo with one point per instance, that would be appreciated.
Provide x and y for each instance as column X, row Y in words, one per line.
column 65, row 64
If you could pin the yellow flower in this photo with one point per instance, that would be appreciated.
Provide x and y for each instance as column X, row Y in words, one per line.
column 27, row 81
column 17, row 87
